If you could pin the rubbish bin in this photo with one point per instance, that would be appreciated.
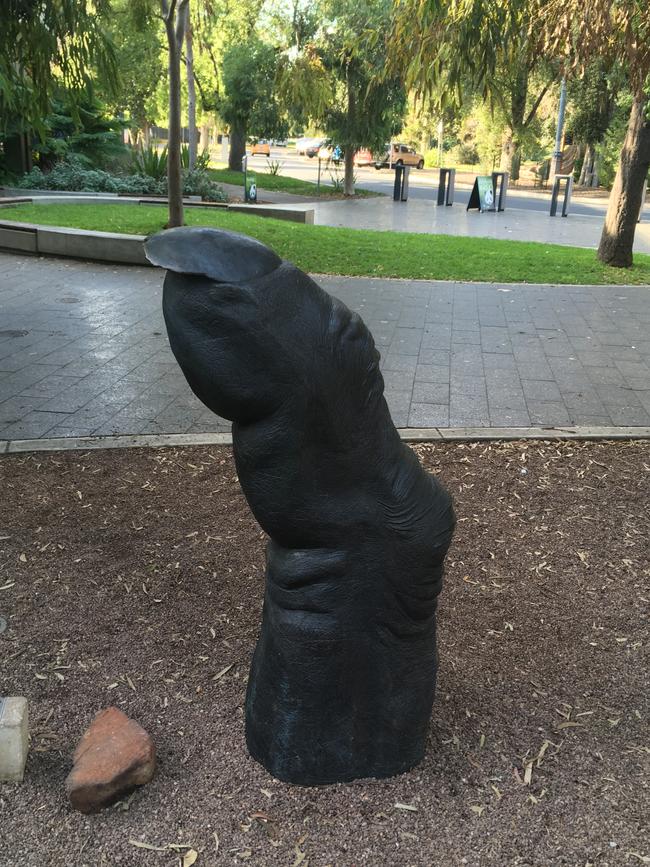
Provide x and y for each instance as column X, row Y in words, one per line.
column 401, row 186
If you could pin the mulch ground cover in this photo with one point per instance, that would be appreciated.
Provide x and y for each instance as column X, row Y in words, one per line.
column 135, row 578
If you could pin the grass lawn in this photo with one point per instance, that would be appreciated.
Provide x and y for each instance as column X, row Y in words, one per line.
column 360, row 252
column 280, row 183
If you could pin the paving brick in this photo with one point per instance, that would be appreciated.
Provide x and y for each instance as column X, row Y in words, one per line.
column 428, row 415
column 109, row 362
column 540, row 390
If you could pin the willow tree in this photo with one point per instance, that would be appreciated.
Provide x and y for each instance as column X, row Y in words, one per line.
column 45, row 44
column 442, row 47
column 619, row 32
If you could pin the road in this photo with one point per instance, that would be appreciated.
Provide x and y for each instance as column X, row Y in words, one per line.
column 423, row 185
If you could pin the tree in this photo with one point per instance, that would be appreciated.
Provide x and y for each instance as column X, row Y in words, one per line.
column 137, row 47
column 174, row 14
column 367, row 109
column 619, row 32
column 191, row 93
column 46, row 44
column 594, row 99
column 248, row 103
column 444, row 47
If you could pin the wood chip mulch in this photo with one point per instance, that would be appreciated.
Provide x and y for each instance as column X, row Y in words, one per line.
column 135, row 578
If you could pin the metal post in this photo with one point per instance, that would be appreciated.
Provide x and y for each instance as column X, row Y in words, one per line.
column 446, row 186
column 244, row 166
column 397, row 186
column 441, row 129
column 318, row 182
column 568, row 189
column 405, row 183
column 557, row 153
column 500, row 180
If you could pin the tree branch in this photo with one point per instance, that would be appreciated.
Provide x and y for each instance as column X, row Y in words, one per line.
column 532, row 112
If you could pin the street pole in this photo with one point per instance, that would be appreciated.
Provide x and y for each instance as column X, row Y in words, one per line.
column 441, row 128
column 557, row 153
column 244, row 167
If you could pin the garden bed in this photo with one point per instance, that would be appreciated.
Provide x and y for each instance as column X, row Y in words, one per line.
column 135, row 578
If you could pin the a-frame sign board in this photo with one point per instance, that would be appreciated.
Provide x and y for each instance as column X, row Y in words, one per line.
column 482, row 197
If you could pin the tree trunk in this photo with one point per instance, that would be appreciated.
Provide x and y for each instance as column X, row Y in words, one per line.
column 595, row 177
column 191, row 93
column 348, row 157
column 510, row 156
column 508, row 152
column 237, row 148
column 582, row 180
column 617, row 239
column 348, row 184
column 175, row 34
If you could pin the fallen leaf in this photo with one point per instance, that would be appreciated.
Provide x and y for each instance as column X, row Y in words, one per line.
column 148, row 846
column 410, row 807
column 189, row 858
column 223, row 671
column 478, row 809
column 23, row 558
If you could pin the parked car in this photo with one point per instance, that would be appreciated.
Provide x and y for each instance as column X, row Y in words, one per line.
column 261, row 148
column 364, row 157
column 400, row 155
column 303, row 143
column 313, row 149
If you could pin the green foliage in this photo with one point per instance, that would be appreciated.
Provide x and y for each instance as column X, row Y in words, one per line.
column 202, row 159
column 45, row 44
column 593, row 98
column 198, row 183
column 355, row 252
column 610, row 149
column 274, row 167
column 431, row 158
column 248, row 102
column 82, row 129
column 73, row 176
column 136, row 44
column 150, row 161
column 368, row 109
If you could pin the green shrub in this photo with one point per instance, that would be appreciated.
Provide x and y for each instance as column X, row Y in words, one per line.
column 72, row 176
column 202, row 159
column 431, row 160
column 150, row 161
column 199, row 183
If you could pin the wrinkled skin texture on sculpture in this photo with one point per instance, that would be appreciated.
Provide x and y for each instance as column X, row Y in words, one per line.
column 343, row 677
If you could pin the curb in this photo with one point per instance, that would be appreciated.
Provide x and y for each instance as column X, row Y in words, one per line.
column 409, row 435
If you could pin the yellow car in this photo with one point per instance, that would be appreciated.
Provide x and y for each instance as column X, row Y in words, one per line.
column 261, row 148
column 400, row 155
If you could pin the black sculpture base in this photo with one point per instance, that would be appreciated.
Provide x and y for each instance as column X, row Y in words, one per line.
column 329, row 701
column 343, row 676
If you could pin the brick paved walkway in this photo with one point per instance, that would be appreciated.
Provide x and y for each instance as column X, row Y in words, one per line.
column 83, row 351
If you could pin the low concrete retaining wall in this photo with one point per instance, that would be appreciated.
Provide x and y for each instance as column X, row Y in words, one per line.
column 104, row 246
column 76, row 243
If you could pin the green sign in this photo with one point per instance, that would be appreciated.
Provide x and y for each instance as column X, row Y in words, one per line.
column 250, row 188
column 482, row 196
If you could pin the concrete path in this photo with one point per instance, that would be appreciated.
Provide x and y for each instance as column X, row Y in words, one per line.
column 514, row 224
column 83, row 351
